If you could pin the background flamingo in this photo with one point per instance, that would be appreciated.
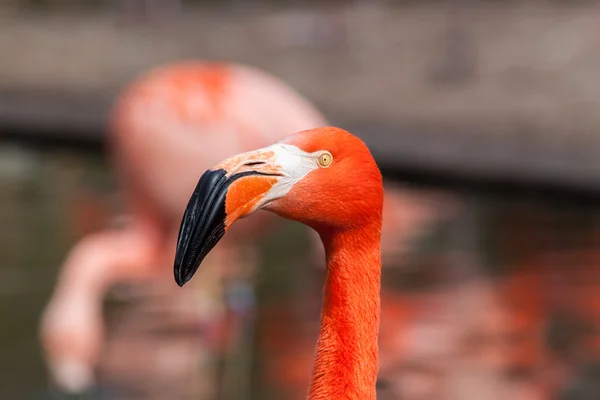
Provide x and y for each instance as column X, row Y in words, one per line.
column 327, row 179
column 168, row 124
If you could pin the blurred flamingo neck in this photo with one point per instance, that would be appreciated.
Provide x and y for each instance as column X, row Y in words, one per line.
column 347, row 360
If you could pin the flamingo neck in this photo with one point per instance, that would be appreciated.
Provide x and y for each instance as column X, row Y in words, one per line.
column 347, row 358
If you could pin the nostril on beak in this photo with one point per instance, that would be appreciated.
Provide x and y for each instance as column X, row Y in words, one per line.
column 254, row 163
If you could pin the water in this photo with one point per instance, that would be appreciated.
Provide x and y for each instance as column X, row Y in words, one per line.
column 37, row 194
column 50, row 199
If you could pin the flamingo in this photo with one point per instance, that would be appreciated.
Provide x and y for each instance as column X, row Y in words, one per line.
column 327, row 179
column 170, row 121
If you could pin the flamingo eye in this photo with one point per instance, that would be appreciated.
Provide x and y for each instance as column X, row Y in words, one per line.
column 325, row 159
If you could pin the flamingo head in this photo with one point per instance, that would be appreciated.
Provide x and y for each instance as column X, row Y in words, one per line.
column 325, row 178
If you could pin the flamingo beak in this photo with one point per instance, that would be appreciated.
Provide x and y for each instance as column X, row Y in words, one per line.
column 231, row 190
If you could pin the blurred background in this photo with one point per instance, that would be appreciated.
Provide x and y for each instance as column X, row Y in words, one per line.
column 482, row 115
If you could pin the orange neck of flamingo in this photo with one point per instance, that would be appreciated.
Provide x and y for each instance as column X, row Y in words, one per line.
column 347, row 359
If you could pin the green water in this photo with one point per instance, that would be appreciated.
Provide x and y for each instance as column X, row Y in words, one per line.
column 35, row 189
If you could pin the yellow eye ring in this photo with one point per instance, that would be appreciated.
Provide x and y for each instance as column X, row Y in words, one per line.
column 325, row 159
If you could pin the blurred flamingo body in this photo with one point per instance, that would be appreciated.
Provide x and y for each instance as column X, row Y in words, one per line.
column 170, row 122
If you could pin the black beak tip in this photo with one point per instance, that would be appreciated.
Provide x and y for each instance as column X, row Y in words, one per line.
column 181, row 276
column 180, row 280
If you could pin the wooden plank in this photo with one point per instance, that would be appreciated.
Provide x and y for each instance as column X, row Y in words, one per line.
column 441, row 62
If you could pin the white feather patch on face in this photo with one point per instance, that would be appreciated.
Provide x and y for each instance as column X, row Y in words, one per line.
column 294, row 164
